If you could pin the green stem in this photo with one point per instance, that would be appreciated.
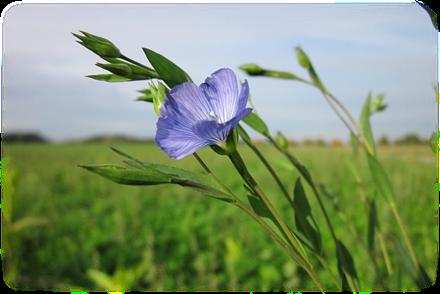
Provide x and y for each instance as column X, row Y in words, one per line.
column 404, row 233
column 239, row 164
column 236, row 201
column 269, row 168
column 122, row 56
column 296, row 163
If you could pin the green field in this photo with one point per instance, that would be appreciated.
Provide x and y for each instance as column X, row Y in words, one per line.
column 65, row 228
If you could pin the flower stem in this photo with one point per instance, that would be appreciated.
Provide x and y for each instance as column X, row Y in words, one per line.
column 296, row 163
column 239, row 164
column 269, row 168
column 236, row 201
column 122, row 56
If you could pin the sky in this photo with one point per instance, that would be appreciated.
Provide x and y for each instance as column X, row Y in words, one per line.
column 355, row 48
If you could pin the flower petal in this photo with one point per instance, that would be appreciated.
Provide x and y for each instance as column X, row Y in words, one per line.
column 222, row 91
column 188, row 100
column 244, row 95
column 176, row 138
column 214, row 132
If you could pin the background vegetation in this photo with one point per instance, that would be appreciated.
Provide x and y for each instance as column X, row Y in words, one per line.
column 64, row 228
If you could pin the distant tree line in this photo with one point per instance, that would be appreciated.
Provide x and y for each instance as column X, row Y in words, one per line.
column 33, row 137
column 27, row 137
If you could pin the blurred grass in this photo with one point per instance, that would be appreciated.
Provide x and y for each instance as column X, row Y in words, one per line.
column 68, row 229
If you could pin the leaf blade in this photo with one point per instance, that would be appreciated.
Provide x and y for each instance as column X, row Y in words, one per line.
column 168, row 71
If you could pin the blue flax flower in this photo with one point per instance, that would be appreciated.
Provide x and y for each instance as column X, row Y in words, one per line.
column 194, row 116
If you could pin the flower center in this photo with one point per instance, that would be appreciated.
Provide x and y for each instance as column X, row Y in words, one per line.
column 213, row 116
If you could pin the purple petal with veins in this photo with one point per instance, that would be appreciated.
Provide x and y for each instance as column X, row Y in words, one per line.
column 193, row 117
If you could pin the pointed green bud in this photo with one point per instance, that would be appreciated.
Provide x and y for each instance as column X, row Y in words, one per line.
column 377, row 104
column 98, row 45
column 305, row 62
column 119, row 69
column 252, row 69
column 111, row 78
column 303, row 59
column 281, row 141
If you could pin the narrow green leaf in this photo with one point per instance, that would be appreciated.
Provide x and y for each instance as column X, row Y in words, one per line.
column 303, row 218
column 111, row 78
column 365, row 125
column 346, row 266
column 354, row 144
column 145, row 98
column 169, row 72
column 259, row 207
column 418, row 274
column 309, row 231
column 300, row 200
column 372, row 223
column 147, row 95
column 129, row 176
column 178, row 176
column 256, row 123
column 380, row 177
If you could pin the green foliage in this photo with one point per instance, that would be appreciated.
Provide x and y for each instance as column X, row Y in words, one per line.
column 364, row 123
column 119, row 69
column 380, row 178
column 259, row 207
column 434, row 142
column 304, row 220
column 93, row 224
column 158, row 94
column 111, row 78
column 305, row 62
column 129, row 176
column 346, row 267
column 281, row 141
column 257, row 124
column 129, row 71
column 253, row 69
column 372, row 224
column 98, row 45
column 169, row 72
column 377, row 104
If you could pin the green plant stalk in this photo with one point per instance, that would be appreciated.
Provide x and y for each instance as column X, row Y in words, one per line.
column 360, row 136
column 236, row 201
column 134, row 62
column 269, row 168
column 239, row 164
column 402, row 227
column 378, row 229
column 384, row 251
column 295, row 162
column 286, row 194
column 391, row 202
